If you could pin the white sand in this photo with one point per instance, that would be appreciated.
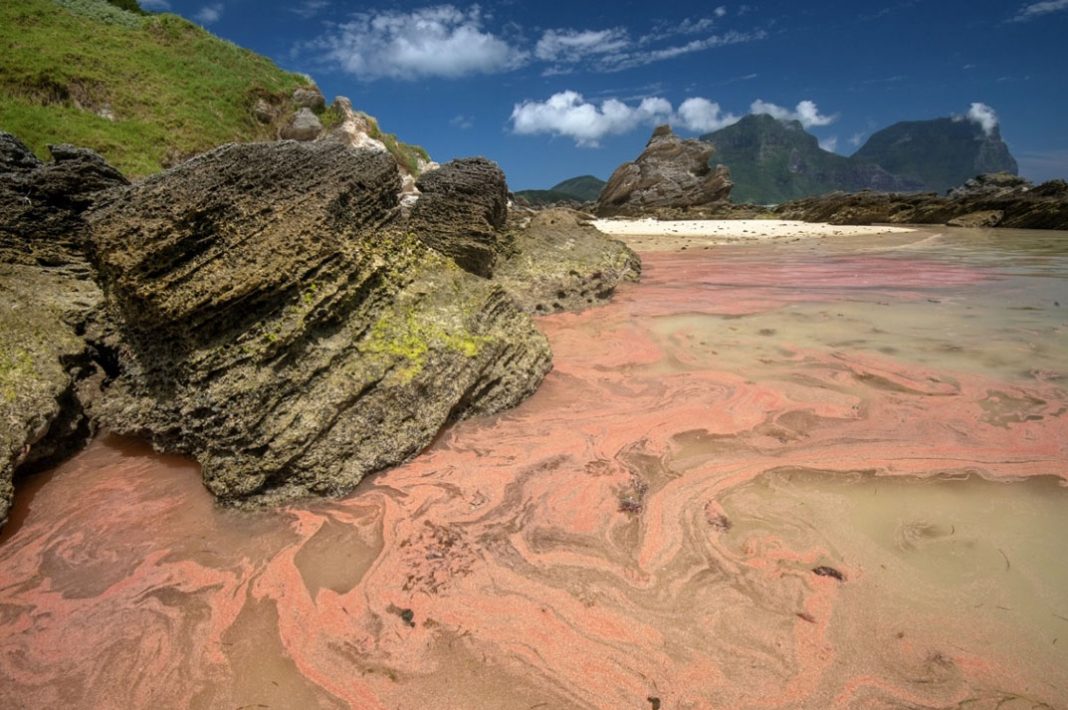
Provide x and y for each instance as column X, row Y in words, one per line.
column 645, row 235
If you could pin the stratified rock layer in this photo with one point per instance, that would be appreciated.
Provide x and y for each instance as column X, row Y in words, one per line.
column 558, row 262
column 987, row 200
column 46, row 299
column 463, row 208
column 281, row 330
column 671, row 173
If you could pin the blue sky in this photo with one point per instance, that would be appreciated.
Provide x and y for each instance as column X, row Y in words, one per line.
column 551, row 90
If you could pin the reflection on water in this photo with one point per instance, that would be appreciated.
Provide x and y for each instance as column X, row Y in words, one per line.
column 815, row 473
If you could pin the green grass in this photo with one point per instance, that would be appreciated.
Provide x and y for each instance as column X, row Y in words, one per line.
column 175, row 89
column 406, row 155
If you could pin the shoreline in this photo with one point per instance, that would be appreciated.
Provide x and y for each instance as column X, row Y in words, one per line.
column 649, row 234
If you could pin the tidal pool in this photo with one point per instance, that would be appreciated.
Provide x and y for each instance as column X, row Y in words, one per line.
column 790, row 474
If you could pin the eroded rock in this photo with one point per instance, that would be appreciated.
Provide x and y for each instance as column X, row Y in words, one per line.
column 285, row 332
column 670, row 174
column 977, row 203
column 305, row 126
column 559, row 262
column 47, row 299
column 462, row 210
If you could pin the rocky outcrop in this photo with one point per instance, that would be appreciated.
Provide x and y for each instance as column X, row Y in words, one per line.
column 309, row 97
column 998, row 199
column 671, row 173
column 559, row 262
column 47, row 300
column 304, row 126
column 282, row 329
column 463, row 208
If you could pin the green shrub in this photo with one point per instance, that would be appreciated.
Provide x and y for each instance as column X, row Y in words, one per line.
column 104, row 11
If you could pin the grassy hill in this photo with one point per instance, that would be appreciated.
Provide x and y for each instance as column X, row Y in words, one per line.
column 584, row 188
column 144, row 90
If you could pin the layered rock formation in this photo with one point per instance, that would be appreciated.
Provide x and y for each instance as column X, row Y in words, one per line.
column 997, row 200
column 272, row 310
column 47, row 300
column 284, row 332
column 671, row 173
column 559, row 262
column 463, row 208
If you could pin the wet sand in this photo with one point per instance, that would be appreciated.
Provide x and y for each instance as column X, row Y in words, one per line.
column 815, row 474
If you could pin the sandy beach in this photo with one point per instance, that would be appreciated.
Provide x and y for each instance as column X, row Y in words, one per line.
column 647, row 235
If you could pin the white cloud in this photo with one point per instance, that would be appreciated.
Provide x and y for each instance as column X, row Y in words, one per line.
column 574, row 45
column 983, row 115
column 462, row 121
column 569, row 114
column 806, row 112
column 310, row 8
column 703, row 116
column 720, row 11
column 629, row 60
column 209, row 14
column 440, row 41
column 829, row 144
column 856, row 139
column 155, row 5
column 1037, row 9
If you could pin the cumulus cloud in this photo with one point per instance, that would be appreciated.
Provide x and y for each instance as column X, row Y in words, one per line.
column 1038, row 9
column 985, row 116
column 569, row 114
column 209, row 14
column 806, row 112
column 155, row 5
column 703, row 116
column 441, row 41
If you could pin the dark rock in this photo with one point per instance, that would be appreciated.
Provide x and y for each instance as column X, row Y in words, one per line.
column 283, row 330
column 990, row 185
column 987, row 218
column 305, row 126
column 309, row 97
column 671, row 173
column 15, row 156
column 463, row 208
column 47, row 299
column 1021, row 206
column 41, row 203
column 559, row 262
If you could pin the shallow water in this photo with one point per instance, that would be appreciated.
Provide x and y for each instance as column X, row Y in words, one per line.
column 822, row 473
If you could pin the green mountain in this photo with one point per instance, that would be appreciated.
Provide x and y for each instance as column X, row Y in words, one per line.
column 584, row 188
column 941, row 153
column 773, row 161
column 143, row 90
